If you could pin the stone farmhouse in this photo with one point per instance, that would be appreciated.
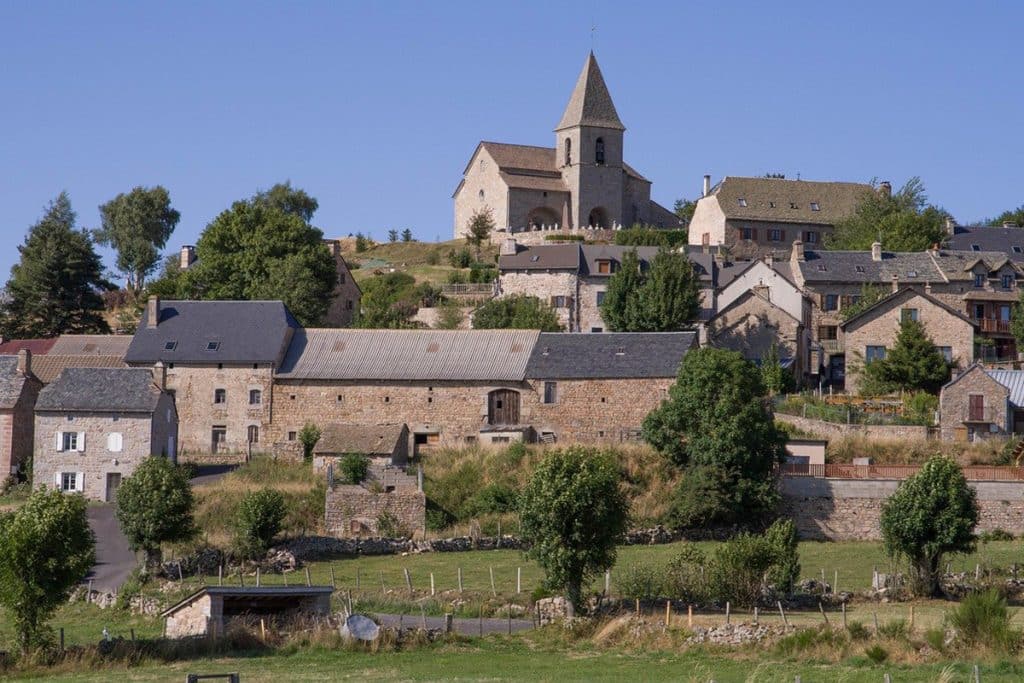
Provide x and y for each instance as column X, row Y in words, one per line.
column 581, row 182
column 19, row 388
column 751, row 217
column 574, row 277
column 980, row 403
column 94, row 426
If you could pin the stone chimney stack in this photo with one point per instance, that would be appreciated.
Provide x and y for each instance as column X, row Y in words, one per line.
column 769, row 259
column 876, row 251
column 188, row 256
column 152, row 312
column 895, row 283
column 927, row 288
column 707, row 185
column 950, row 226
column 885, row 188
column 24, row 362
column 798, row 251
column 160, row 375
column 334, row 246
column 508, row 247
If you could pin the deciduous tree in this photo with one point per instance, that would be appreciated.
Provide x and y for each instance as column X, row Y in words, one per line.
column 137, row 225
column 931, row 514
column 154, row 506
column 574, row 513
column 479, row 228
column 518, row 312
column 665, row 298
column 257, row 520
column 55, row 287
column 901, row 222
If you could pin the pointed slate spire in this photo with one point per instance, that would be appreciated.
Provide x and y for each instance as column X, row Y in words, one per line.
column 590, row 103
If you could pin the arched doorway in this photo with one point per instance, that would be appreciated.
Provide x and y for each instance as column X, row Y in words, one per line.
column 598, row 218
column 540, row 217
column 503, row 407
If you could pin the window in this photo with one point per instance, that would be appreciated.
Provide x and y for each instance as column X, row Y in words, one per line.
column 69, row 481
column 599, row 151
column 1007, row 281
column 218, row 437
column 979, row 280
column 254, row 434
column 558, row 301
column 550, row 392
column 597, row 329
column 815, row 207
column 831, row 302
column 911, row 273
column 170, row 345
column 792, row 205
column 292, row 436
column 481, row 195
column 348, row 304
column 255, row 397
column 859, row 269
column 212, row 346
column 69, row 441
column 339, row 399
column 975, row 247
column 600, row 298
column 979, row 311
column 822, row 268
column 811, row 237
column 771, row 205
column 947, row 353
column 873, row 353
column 828, row 332
column 499, row 439
column 387, row 399
column 604, row 267
column 908, row 314
column 220, row 395
column 568, row 151
column 748, row 233
column 775, row 235
column 115, row 442
column 1004, row 313
column 742, row 201
column 1017, row 249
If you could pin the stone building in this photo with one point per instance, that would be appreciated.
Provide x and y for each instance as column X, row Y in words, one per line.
column 980, row 403
column 1007, row 239
column 220, row 358
column 580, row 182
column 573, row 278
column 752, row 324
column 19, row 388
column 385, row 445
column 870, row 334
column 208, row 611
column 94, row 426
column 755, row 216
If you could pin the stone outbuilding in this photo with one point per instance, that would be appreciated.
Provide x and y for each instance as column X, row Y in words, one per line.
column 19, row 388
column 384, row 444
column 94, row 426
column 982, row 403
column 752, row 324
column 208, row 611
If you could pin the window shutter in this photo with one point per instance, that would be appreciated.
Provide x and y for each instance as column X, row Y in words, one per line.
column 782, row 235
column 56, row 480
column 79, row 481
column 114, row 441
column 58, row 441
column 81, row 442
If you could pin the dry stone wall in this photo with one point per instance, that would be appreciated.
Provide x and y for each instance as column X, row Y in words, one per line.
column 830, row 429
column 357, row 511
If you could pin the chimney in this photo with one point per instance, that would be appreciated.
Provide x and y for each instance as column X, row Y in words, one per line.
column 769, row 259
column 895, row 283
column 876, row 251
column 334, row 246
column 798, row 251
column 160, row 375
column 188, row 256
column 707, row 185
column 927, row 288
column 152, row 312
column 24, row 362
column 950, row 226
column 509, row 247
column 1010, row 224
column 885, row 188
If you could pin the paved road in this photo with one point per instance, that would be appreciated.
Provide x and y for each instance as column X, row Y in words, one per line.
column 468, row 627
column 114, row 560
column 208, row 474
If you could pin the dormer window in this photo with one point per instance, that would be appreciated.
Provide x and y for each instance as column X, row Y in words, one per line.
column 599, row 151
column 822, row 267
column 212, row 346
column 815, row 207
column 859, row 269
column 1007, row 281
column 604, row 267
column 979, row 280
column 170, row 345
column 911, row 273
column 742, row 201
column 975, row 247
column 1017, row 250
column 771, row 205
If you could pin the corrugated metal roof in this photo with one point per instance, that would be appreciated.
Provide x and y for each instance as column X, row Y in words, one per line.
column 1012, row 380
column 91, row 345
column 409, row 355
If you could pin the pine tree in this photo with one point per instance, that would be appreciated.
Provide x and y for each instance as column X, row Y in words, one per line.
column 913, row 364
column 55, row 288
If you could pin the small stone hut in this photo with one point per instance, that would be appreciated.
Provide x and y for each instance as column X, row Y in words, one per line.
column 208, row 610
column 383, row 444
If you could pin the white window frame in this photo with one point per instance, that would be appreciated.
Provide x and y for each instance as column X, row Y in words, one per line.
column 77, row 481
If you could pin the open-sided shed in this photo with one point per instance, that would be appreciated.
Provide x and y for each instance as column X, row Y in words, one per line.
column 208, row 610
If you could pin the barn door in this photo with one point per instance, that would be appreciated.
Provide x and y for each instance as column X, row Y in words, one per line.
column 503, row 407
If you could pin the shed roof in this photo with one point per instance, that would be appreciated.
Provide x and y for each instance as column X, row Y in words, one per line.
column 250, row 593
column 1013, row 380
column 613, row 355
column 409, row 355
column 12, row 382
column 366, row 439
column 126, row 390
column 37, row 346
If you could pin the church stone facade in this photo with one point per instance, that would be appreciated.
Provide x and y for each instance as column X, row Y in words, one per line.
column 581, row 182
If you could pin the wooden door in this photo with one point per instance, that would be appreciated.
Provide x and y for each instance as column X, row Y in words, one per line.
column 113, row 481
column 976, row 407
column 503, row 407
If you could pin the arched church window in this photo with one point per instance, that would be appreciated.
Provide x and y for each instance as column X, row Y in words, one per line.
column 599, row 151
column 481, row 195
column 568, row 151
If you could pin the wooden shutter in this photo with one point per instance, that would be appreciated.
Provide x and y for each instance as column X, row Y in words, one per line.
column 56, row 480
column 80, row 445
column 114, row 442
column 58, row 441
column 79, row 481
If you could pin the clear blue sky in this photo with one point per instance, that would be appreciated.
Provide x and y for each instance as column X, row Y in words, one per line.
column 375, row 107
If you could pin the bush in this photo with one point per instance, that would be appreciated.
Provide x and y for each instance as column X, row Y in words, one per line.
column 983, row 619
column 642, row 236
column 563, row 238
column 639, row 582
column 995, row 535
column 461, row 258
column 433, row 258
column 936, row 639
column 782, row 539
column 920, row 408
column 686, row 577
column 701, row 500
column 494, row 498
column 258, row 520
column 308, row 436
column 352, row 468
column 858, row 631
column 737, row 569
column 895, row 629
column 457, row 277
column 876, row 653
column 362, row 243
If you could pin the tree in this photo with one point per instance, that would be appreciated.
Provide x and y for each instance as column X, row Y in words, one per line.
column 869, row 296
column 391, row 299
column 1014, row 216
column 717, row 415
column 172, row 283
column 517, row 312
column 264, row 248
column 777, row 379
column 663, row 299
column 931, row 514
column 55, row 287
column 684, row 208
column 257, row 520
column 46, row 548
column 913, row 364
column 407, row 235
column 392, row 235
column 574, row 512
column 901, row 222
column 154, row 506
column 479, row 228
column 362, row 243
column 308, row 437
column 137, row 225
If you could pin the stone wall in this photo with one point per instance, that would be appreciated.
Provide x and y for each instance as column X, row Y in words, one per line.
column 836, row 429
column 954, row 406
column 192, row 619
column 847, row 509
column 346, row 296
column 535, row 238
column 17, row 427
column 546, row 285
column 356, row 511
column 752, row 325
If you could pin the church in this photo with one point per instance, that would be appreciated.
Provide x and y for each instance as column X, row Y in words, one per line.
column 580, row 182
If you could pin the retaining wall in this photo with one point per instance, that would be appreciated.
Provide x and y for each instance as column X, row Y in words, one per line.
column 829, row 429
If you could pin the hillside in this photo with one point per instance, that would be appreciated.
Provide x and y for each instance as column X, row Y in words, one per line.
column 426, row 261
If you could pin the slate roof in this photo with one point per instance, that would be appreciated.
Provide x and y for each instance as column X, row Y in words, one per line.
column 1008, row 241
column 543, row 257
column 532, row 167
column 956, row 265
column 365, row 439
column 583, row 259
column 12, row 382
column 123, row 390
column 590, row 103
column 792, row 199
column 48, row 368
column 858, row 266
column 91, row 344
column 244, row 331
column 408, row 355
column 534, row 182
column 37, row 346
column 592, row 253
column 613, row 355
column 896, row 298
column 1012, row 380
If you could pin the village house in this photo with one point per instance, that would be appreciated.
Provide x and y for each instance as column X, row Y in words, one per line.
column 19, row 388
column 1007, row 239
column 751, row 217
column 581, row 182
column 573, row 278
column 752, row 324
column 980, row 403
column 220, row 358
column 94, row 426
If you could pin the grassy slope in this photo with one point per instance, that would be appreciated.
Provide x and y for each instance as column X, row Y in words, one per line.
column 413, row 258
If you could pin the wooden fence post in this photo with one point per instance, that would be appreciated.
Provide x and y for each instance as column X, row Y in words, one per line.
column 519, row 580
column 334, row 583
column 408, row 579
column 494, row 592
column 689, row 616
column 460, row 579
column 432, row 583
column 308, row 582
column 783, row 613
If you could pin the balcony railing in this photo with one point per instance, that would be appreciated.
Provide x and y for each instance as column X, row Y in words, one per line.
column 471, row 288
column 991, row 325
column 848, row 471
column 832, row 345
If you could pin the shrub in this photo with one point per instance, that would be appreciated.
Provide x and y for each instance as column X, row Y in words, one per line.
column 782, row 539
column 639, row 582
column 809, row 638
column 686, row 577
column 563, row 238
column 737, row 569
column 493, row 498
column 461, row 258
column 362, row 243
column 308, row 436
column 258, row 520
column 858, row 631
column 920, row 407
column 876, row 653
column 433, row 258
column 995, row 535
column 457, row 277
column 936, row 639
column 983, row 618
column 895, row 629
column 353, row 467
